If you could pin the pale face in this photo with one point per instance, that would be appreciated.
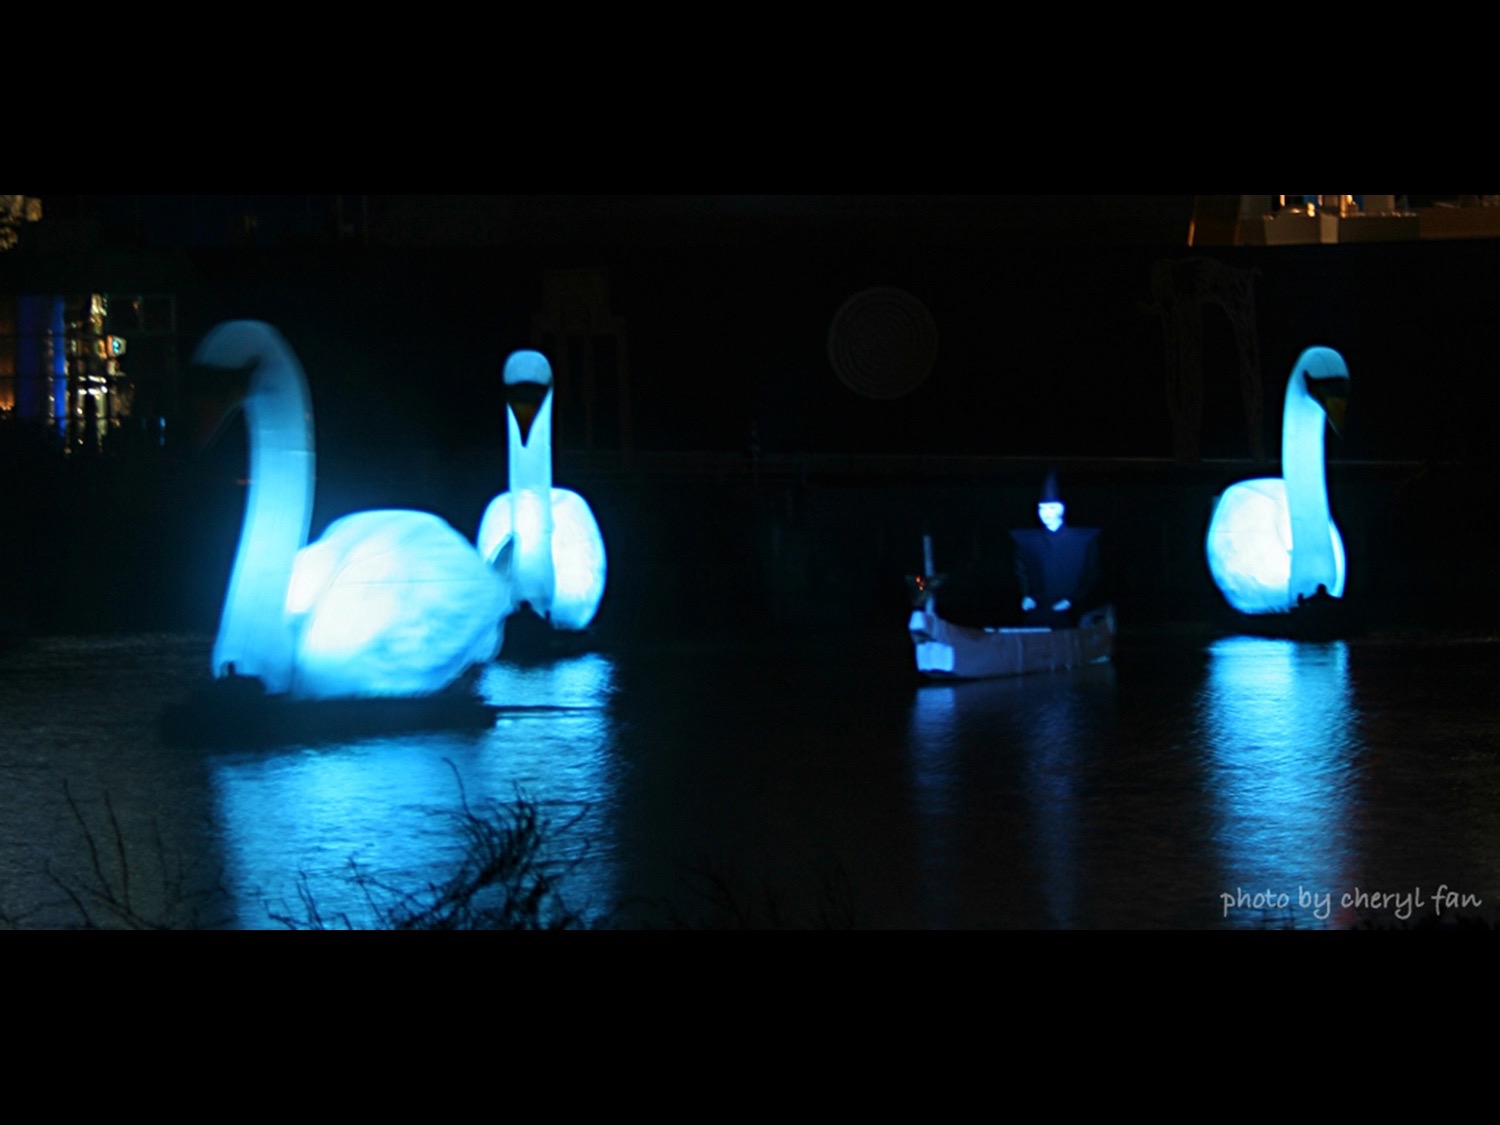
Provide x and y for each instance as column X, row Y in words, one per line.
column 1050, row 512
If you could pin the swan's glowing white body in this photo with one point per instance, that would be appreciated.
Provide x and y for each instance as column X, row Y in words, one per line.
column 386, row 603
column 556, row 554
column 1273, row 540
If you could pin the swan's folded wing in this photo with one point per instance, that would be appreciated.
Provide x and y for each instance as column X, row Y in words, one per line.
column 578, row 561
column 495, row 529
column 403, row 605
column 1249, row 546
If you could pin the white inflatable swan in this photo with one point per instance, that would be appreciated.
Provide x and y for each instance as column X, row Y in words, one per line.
column 545, row 538
column 386, row 603
column 1272, row 541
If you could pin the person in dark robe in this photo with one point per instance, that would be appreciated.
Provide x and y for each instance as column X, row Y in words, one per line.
column 1057, row 566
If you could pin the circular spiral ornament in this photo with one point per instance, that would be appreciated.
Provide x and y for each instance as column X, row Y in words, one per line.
column 882, row 343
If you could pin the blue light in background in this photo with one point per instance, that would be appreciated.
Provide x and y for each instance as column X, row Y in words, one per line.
column 59, row 361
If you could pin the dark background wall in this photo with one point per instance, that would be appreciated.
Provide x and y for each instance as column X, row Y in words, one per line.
column 1047, row 352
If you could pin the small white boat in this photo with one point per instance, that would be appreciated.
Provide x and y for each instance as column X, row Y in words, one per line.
column 948, row 651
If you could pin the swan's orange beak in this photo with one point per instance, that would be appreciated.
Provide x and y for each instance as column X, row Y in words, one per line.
column 526, row 399
column 1335, row 406
column 1332, row 394
column 525, row 415
column 217, row 393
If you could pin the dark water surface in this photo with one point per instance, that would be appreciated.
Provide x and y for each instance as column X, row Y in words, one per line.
column 777, row 776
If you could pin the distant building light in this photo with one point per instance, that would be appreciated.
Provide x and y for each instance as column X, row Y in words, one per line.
column 15, row 210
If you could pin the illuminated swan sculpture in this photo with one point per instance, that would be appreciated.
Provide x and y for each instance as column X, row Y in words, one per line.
column 545, row 538
column 1272, row 541
column 386, row 603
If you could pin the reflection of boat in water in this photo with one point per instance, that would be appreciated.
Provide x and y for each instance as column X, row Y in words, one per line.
column 1321, row 617
column 948, row 651
column 237, row 711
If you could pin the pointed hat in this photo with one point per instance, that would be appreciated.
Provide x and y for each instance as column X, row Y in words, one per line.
column 1050, row 494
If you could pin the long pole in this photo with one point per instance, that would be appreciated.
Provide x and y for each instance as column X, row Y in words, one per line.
column 927, row 571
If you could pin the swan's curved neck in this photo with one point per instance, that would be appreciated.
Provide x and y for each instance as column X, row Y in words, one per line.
column 255, row 634
column 1302, row 465
column 531, row 508
column 530, row 462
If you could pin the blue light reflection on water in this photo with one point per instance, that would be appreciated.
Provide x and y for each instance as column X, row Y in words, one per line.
column 1282, row 755
column 386, row 805
column 1129, row 796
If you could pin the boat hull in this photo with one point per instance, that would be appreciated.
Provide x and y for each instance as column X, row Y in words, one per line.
column 1316, row 619
column 955, row 652
column 237, row 712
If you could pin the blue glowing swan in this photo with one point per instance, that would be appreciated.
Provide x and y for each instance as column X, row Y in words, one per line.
column 546, row 538
column 1272, row 541
column 386, row 603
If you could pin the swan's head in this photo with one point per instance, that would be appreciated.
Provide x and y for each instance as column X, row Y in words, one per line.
column 244, row 362
column 1325, row 377
column 218, row 393
column 528, row 379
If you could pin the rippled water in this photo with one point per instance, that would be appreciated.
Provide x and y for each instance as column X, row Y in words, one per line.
column 775, row 777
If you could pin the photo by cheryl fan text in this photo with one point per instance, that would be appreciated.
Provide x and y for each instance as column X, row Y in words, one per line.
column 1400, row 904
